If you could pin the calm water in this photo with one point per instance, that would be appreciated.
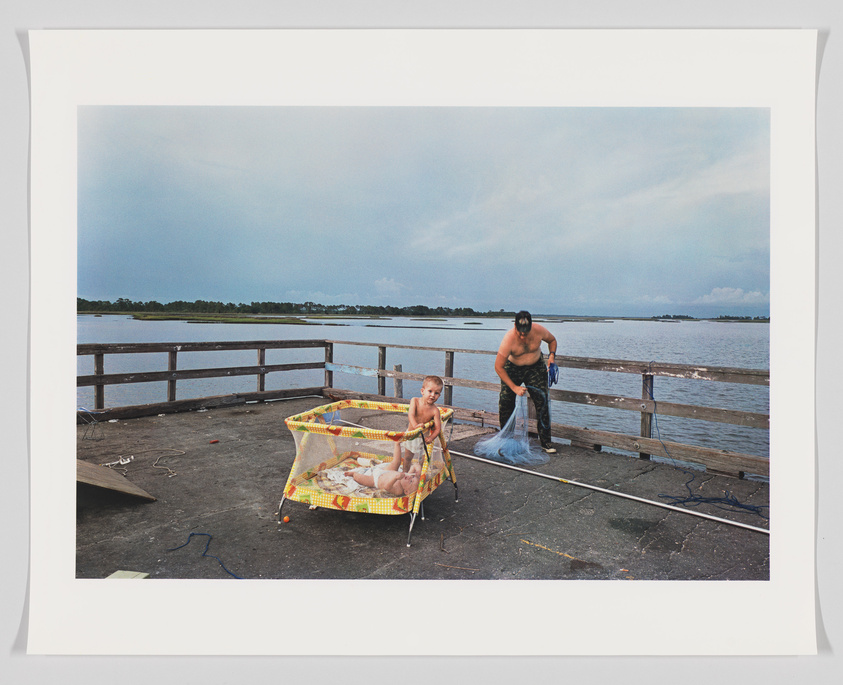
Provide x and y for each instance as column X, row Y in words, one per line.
column 743, row 345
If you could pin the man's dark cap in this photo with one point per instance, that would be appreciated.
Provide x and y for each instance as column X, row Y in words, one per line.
column 523, row 321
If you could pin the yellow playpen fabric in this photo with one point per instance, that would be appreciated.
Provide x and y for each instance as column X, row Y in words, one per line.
column 327, row 446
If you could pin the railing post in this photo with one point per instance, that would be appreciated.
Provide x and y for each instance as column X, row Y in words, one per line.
column 449, row 373
column 329, row 359
column 171, row 384
column 99, row 390
column 261, row 362
column 398, row 382
column 381, row 367
column 646, row 417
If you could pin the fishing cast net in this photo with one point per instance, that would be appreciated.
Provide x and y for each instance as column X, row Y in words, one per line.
column 511, row 444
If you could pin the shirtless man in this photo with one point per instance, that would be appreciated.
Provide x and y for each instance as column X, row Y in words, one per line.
column 519, row 360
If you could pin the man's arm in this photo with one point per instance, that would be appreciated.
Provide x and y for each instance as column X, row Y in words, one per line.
column 500, row 360
column 550, row 339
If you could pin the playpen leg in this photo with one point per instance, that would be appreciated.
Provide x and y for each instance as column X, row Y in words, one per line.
column 456, row 492
column 421, row 511
column 412, row 521
column 280, row 504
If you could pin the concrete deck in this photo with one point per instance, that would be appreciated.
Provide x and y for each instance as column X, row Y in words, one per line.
column 506, row 524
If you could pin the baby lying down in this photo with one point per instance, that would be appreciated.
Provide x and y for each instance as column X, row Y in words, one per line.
column 388, row 477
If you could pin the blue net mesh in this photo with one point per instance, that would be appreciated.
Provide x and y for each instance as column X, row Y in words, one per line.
column 511, row 444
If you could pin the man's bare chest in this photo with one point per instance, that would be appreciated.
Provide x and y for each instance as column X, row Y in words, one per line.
column 528, row 346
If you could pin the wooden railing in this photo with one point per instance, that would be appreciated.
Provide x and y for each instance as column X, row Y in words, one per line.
column 99, row 379
column 716, row 460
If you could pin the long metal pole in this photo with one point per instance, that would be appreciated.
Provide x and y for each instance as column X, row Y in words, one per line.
column 613, row 492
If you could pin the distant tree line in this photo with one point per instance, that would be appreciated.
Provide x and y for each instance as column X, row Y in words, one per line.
column 298, row 308
column 722, row 317
column 207, row 307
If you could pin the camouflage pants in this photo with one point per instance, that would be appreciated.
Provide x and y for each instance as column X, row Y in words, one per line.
column 534, row 377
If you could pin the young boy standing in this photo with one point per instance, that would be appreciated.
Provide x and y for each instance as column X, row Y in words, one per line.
column 422, row 409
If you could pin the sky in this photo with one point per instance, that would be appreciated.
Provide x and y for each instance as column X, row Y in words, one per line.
column 581, row 211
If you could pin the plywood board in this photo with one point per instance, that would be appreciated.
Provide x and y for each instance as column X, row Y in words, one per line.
column 104, row 477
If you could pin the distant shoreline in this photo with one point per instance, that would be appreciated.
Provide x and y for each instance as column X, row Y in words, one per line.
column 335, row 319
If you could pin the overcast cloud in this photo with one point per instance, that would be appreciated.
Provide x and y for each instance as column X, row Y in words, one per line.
column 573, row 210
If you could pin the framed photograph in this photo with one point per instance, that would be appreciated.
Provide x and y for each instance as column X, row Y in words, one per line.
column 663, row 180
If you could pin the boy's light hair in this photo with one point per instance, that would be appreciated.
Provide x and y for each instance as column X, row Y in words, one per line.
column 433, row 380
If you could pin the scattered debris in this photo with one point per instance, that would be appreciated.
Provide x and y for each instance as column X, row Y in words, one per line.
column 170, row 472
column 128, row 574
column 561, row 554
column 121, row 461
column 205, row 551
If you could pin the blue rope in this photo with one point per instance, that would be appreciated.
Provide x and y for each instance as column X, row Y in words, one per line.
column 205, row 551
column 694, row 500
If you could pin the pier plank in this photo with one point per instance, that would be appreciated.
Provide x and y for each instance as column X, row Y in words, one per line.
column 708, row 373
column 83, row 349
column 721, row 461
column 137, row 410
column 183, row 374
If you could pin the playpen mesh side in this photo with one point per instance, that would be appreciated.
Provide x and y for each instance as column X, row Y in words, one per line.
column 327, row 446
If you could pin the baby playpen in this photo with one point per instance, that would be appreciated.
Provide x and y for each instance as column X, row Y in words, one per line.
column 330, row 442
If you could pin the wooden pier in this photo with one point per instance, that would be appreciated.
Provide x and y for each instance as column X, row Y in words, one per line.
column 717, row 461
